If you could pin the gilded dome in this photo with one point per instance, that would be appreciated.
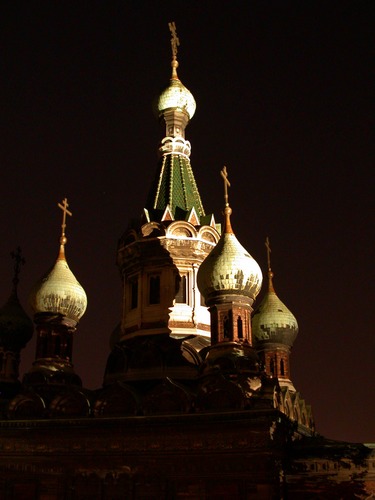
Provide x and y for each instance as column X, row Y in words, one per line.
column 273, row 322
column 229, row 268
column 176, row 96
column 59, row 292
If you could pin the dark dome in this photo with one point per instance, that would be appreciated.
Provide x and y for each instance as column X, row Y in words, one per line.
column 16, row 328
column 232, row 357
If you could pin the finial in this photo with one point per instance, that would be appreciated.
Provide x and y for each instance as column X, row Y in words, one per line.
column 19, row 260
column 270, row 273
column 63, row 240
column 227, row 209
column 175, row 42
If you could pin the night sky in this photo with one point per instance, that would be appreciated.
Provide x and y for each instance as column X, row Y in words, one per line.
column 284, row 95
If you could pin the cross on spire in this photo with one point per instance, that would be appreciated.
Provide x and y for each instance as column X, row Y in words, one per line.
column 268, row 253
column 175, row 42
column 224, row 175
column 64, row 207
column 19, row 261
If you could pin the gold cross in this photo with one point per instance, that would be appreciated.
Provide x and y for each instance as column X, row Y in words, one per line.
column 224, row 175
column 268, row 253
column 19, row 260
column 175, row 42
column 64, row 207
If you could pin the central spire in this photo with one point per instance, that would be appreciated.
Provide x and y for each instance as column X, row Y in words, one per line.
column 174, row 194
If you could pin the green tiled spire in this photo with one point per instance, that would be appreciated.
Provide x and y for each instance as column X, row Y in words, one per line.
column 174, row 187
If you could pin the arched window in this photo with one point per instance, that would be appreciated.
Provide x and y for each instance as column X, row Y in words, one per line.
column 272, row 367
column 228, row 326
column 239, row 327
column 282, row 370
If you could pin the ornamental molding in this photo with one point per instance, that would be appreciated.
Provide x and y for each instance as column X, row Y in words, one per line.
column 171, row 145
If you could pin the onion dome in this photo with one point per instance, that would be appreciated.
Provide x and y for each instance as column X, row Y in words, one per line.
column 229, row 268
column 16, row 328
column 272, row 321
column 176, row 96
column 58, row 291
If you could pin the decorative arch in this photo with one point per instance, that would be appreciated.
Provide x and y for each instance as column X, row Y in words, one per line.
column 182, row 229
column 208, row 233
column 116, row 400
column 152, row 230
column 69, row 403
column 26, row 406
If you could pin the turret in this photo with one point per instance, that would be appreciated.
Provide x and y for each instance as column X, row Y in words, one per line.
column 274, row 329
column 58, row 302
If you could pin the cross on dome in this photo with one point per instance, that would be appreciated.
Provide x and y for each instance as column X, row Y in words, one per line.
column 270, row 273
column 64, row 207
column 175, row 42
column 227, row 209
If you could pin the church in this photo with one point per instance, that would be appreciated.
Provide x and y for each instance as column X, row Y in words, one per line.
column 198, row 400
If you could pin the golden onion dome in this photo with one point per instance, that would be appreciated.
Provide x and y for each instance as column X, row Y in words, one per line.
column 272, row 321
column 229, row 268
column 59, row 292
column 176, row 97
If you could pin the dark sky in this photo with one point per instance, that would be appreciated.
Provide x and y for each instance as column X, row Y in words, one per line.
column 284, row 95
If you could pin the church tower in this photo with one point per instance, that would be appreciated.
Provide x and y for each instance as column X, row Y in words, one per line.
column 230, row 279
column 58, row 302
column 159, row 256
column 275, row 329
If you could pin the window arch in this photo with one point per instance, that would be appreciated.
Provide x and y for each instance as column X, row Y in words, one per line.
column 282, row 367
column 239, row 327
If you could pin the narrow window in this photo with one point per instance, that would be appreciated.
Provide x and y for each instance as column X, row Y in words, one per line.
column 239, row 327
column 181, row 296
column 154, row 290
column 134, row 293
column 282, row 371
column 272, row 367
column 228, row 326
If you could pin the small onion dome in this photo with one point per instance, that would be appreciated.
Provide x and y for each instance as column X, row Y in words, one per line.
column 16, row 328
column 272, row 321
column 229, row 268
column 176, row 97
column 59, row 292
